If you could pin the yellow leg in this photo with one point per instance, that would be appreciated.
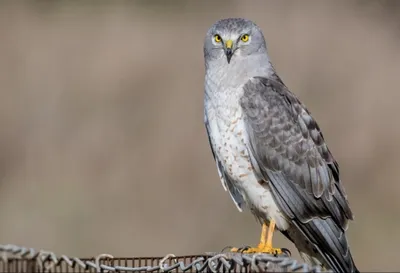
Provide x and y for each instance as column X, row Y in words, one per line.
column 271, row 229
column 264, row 234
column 265, row 245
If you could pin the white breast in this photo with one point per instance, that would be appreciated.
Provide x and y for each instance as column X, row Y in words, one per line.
column 229, row 140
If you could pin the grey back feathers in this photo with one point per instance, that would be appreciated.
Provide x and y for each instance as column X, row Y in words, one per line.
column 290, row 152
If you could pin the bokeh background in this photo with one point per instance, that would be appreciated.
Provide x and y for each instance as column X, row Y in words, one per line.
column 102, row 142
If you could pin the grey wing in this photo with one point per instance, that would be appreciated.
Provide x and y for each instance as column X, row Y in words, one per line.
column 289, row 150
column 226, row 180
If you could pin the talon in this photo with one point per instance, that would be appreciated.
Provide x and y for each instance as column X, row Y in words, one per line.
column 227, row 247
column 243, row 249
column 265, row 245
column 286, row 252
column 267, row 250
column 240, row 249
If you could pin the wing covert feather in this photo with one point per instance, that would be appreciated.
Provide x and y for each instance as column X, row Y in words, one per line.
column 288, row 151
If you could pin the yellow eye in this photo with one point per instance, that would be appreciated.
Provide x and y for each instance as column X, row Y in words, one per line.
column 245, row 38
column 217, row 38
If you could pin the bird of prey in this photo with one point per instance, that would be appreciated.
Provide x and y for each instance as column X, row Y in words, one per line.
column 270, row 153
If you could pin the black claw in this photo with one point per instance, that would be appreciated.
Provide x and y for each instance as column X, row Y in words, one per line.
column 286, row 251
column 244, row 248
column 227, row 247
column 241, row 249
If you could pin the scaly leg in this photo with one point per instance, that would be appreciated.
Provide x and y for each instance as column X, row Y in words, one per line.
column 265, row 245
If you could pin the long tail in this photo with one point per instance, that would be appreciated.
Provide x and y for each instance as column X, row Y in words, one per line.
column 328, row 246
column 312, row 260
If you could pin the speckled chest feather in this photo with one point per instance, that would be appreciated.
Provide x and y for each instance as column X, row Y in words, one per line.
column 228, row 138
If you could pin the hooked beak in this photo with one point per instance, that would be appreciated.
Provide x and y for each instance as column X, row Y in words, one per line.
column 229, row 50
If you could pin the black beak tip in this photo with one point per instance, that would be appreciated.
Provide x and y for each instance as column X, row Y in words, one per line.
column 229, row 54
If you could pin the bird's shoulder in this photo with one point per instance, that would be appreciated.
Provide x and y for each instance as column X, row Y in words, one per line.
column 269, row 100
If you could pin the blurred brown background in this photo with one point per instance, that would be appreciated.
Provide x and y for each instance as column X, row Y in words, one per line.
column 102, row 142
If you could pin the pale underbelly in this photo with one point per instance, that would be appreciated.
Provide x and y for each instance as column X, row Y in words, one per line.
column 256, row 194
column 259, row 200
column 229, row 144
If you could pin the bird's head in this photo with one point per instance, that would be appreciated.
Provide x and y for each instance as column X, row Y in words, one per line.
column 233, row 39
